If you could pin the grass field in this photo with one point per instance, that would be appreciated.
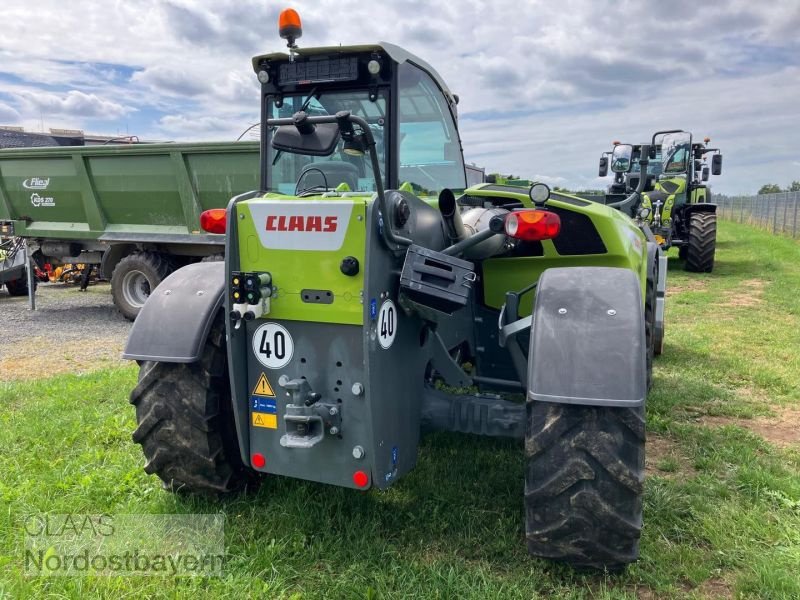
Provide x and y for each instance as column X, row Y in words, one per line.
column 722, row 506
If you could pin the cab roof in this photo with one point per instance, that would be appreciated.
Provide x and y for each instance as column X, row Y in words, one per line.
column 396, row 53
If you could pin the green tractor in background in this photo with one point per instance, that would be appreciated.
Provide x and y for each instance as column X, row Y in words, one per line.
column 362, row 274
column 675, row 202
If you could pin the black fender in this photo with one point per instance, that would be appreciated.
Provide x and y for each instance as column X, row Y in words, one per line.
column 174, row 322
column 588, row 338
column 705, row 207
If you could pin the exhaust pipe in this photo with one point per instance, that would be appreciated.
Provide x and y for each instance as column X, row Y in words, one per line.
column 452, row 217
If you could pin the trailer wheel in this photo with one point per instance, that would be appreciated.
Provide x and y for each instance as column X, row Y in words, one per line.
column 185, row 421
column 134, row 278
column 584, row 479
column 18, row 287
column 702, row 242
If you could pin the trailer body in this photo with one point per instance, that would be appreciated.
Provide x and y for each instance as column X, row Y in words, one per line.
column 99, row 205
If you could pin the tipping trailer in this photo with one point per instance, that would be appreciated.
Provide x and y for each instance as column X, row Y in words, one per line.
column 133, row 211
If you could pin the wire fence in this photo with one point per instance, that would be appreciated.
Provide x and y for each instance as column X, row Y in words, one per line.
column 778, row 213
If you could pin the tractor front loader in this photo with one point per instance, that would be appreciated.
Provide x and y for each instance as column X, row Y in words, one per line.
column 362, row 273
column 675, row 201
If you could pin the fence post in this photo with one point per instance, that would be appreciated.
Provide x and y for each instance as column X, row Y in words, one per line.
column 775, row 214
column 785, row 211
column 794, row 220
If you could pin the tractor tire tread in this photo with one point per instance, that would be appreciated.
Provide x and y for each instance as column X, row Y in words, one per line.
column 702, row 242
column 584, row 482
column 186, row 432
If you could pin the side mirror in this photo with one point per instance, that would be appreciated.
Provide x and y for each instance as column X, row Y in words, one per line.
column 621, row 158
column 716, row 164
column 603, row 166
column 705, row 174
column 306, row 138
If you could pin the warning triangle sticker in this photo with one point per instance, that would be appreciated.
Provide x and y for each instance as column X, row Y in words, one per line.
column 263, row 388
column 257, row 420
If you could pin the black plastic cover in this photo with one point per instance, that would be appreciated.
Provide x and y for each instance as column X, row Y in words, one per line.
column 436, row 280
column 588, row 340
column 174, row 322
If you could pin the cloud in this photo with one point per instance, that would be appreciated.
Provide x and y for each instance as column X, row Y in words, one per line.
column 7, row 114
column 73, row 104
column 544, row 86
column 189, row 127
column 172, row 81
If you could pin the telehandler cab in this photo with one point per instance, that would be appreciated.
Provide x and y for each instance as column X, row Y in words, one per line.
column 675, row 202
column 362, row 273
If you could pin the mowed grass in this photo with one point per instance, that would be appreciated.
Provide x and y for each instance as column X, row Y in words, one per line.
column 722, row 505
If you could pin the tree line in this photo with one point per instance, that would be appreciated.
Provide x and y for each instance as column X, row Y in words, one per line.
column 774, row 188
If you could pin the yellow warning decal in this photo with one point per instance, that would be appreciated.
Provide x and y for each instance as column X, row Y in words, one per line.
column 265, row 420
column 263, row 388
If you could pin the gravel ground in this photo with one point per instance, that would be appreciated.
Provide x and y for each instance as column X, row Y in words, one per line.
column 69, row 332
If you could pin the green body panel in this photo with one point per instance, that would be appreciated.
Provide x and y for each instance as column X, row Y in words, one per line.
column 625, row 244
column 699, row 195
column 294, row 270
column 86, row 192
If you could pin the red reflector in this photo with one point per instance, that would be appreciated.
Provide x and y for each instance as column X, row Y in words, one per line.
column 213, row 220
column 532, row 225
column 361, row 479
column 258, row 460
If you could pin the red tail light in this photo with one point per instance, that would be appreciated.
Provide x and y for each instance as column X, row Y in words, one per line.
column 213, row 220
column 361, row 479
column 532, row 225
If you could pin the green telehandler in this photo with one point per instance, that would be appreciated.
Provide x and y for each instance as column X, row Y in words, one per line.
column 675, row 202
column 362, row 274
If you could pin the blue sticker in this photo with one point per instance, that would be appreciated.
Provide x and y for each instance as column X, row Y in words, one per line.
column 394, row 456
column 373, row 309
column 262, row 404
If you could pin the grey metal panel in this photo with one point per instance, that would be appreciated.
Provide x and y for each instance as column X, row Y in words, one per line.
column 395, row 384
column 588, row 339
column 383, row 418
column 174, row 322
column 330, row 357
column 164, row 238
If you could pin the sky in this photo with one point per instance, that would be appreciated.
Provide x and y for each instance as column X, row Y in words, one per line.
column 544, row 86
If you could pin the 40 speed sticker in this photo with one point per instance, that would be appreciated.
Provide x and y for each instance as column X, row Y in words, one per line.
column 387, row 324
column 273, row 345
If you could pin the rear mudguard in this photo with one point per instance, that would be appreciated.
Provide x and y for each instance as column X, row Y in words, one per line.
column 706, row 207
column 174, row 322
column 588, row 338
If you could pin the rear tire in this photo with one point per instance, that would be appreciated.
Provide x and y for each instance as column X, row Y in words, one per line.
column 185, row 421
column 584, row 479
column 702, row 242
column 134, row 278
